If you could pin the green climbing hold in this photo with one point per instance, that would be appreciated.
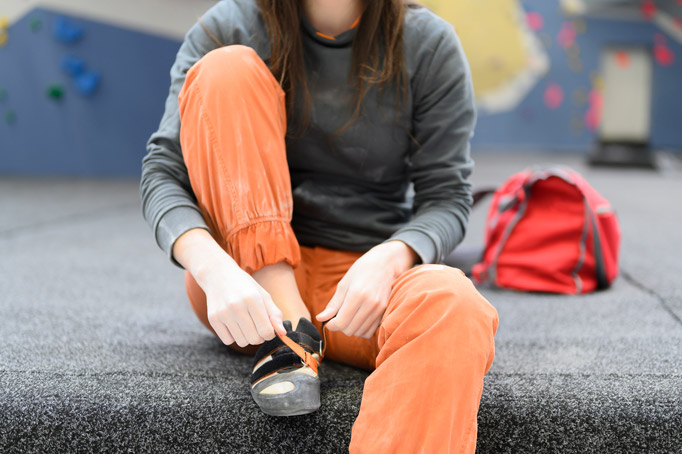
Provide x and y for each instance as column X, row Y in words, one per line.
column 10, row 117
column 35, row 24
column 55, row 92
column 3, row 94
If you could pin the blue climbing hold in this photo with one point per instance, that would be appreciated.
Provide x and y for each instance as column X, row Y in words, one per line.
column 65, row 31
column 73, row 65
column 87, row 83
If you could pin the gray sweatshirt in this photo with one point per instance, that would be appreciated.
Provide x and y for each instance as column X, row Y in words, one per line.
column 351, row 191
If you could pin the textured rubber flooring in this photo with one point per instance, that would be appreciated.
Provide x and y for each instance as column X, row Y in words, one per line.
column 100, row 351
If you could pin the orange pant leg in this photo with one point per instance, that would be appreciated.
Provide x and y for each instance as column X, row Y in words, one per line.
column 233, row 125
column 436, row 342
column 434, row 345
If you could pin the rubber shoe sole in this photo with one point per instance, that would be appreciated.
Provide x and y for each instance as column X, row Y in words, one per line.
column 304, row 398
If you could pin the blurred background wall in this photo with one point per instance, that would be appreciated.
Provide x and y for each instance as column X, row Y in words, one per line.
column 539, row 67
column 83, row 83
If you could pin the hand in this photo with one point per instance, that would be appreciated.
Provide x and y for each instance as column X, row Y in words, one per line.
column 238, row 308
column 361, row 296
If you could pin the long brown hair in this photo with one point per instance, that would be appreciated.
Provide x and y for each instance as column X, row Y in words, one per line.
column 378, row 50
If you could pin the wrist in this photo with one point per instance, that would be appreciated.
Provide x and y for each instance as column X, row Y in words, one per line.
column 401, row 256
column 201, row 255
column 208, row 265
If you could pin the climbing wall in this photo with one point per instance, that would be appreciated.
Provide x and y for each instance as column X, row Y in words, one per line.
column 505, row 56
column 83, row 83
column 536, row 66
column 79, row 97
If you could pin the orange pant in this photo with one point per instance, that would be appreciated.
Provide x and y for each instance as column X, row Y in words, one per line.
column 436, row 340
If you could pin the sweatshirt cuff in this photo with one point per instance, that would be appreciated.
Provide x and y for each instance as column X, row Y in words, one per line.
column 422, row 244
column 173, row 224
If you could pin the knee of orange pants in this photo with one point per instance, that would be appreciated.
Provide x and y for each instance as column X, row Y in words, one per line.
column 443, row 302
column 230, row 75
column 232, row 72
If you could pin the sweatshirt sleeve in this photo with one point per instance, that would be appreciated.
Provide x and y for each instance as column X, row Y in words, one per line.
column 443, row 122
column 168, row 203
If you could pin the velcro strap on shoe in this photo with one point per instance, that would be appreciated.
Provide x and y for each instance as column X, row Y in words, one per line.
column 283, row 361
column 305, row 340
column 308, row 359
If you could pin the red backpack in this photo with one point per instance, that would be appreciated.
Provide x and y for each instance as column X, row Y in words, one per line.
column 548, row 230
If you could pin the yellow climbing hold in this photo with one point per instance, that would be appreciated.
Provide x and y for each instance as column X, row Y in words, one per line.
column 4, row 25
column 493, row 37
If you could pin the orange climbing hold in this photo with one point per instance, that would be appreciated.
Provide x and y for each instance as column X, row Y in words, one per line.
column 623, row 59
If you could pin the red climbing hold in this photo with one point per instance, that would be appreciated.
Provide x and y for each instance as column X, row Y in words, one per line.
column 663, row 54
column 554, row 96
column 535, row 20
column 567, row 35
column 648, row 9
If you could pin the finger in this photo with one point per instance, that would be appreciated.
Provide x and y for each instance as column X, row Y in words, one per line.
column 349, row 307
column 371, row 324
column 235, row 331
column 223, row 333
column 261, row 319
column 334, row 304
column 361, row 318
column 243, row 318
column 274, row 314
column 372, row 320
column 369, row 333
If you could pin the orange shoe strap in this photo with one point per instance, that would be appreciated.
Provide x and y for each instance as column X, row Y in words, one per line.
column 305, row 356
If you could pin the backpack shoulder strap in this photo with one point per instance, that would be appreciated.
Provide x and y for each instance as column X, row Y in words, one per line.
column 482, row 194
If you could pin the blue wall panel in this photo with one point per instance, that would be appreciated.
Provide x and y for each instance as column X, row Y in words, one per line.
column 104, row 134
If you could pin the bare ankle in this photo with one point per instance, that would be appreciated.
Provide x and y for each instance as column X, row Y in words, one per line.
column 279, row 281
